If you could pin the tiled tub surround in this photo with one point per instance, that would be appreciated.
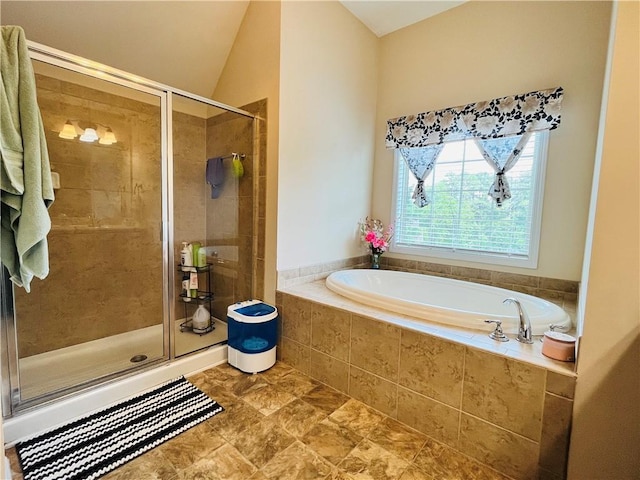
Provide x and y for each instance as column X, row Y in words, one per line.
column 563, row 293
column 311, row 273
column 505, row 405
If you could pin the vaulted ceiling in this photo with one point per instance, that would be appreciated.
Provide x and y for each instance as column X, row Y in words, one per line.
column 184, row 44
column 386, row 16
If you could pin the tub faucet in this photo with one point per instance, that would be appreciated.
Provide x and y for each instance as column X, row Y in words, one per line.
column 524, row 324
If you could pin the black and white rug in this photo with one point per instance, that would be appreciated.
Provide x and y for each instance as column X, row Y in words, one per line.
column 102, row 441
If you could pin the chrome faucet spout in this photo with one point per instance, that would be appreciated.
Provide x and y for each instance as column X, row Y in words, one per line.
column 524, row 324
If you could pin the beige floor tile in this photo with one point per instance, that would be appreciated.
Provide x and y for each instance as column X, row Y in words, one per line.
column 369, row 461
column 245, row 384
column 356, row 416
column 317, row 433
column 268, row 400
column 298, row 417
column 150, row 466
column 277, row 372
column 331, row 441
column 234, row 420
column 190, row 446
column 443, row 462
column 222, row 373
column 412, row 473
column 325, row 398
column 337, row 474
column 226, row 463
column 296, row 383
column 260, row 442
column 296, row 462
column 398, row 439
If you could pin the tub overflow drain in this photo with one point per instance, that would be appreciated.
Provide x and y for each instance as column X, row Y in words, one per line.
column 138, row 358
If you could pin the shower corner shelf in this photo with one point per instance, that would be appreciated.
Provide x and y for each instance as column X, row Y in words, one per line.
column 203, row 297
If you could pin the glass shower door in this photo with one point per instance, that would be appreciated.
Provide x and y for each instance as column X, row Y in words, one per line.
column 101, row 310
column 213, row 200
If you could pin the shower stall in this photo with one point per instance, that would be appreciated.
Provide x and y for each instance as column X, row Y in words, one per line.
column 129, row 158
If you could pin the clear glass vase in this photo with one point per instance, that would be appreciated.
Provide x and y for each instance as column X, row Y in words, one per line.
column 375, row 259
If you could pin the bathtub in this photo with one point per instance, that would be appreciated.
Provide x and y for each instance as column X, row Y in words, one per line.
column 444, row 300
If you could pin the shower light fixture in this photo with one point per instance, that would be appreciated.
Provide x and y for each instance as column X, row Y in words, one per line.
column 108, row 138
column 68, row 131
column 102, row 133
column 89, row 135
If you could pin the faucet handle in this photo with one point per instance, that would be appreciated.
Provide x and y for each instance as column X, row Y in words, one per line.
column 562, row 328
column 498, row 333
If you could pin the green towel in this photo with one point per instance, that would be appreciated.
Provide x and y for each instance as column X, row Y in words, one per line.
column 26, row 190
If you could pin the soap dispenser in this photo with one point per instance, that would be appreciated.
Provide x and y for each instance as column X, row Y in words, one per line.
column 186, row 258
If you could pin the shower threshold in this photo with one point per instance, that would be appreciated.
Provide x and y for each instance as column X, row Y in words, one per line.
column 76, row 365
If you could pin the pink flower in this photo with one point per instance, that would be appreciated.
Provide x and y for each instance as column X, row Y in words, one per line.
column 375, row 235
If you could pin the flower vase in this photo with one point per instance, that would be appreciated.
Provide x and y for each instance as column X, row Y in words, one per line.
column 375, row 259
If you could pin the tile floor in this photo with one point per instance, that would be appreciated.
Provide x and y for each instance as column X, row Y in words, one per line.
column 282, row 425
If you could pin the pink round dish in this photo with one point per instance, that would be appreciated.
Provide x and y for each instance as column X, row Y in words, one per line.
column 559, row 346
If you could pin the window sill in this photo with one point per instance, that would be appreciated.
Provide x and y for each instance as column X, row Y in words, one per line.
column 530, row 261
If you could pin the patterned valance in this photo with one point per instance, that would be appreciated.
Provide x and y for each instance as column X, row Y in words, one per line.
column 501, row 117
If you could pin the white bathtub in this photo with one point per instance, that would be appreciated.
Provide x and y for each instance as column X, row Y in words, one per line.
column 444, row 300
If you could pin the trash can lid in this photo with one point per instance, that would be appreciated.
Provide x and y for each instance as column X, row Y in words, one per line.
column 251, row 311
column 256, row 310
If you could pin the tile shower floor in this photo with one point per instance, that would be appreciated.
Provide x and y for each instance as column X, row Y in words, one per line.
column 282, row 425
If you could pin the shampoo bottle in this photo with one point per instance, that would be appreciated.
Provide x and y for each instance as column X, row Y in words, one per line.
column 202, row 257
column 195, row 252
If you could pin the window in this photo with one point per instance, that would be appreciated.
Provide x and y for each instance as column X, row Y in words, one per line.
column 462, row 222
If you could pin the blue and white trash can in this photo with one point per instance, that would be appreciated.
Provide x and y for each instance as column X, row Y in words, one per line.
column 252, row 329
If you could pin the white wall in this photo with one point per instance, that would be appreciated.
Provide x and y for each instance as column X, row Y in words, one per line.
column 605, row 441
column 327, row 110
column 484, row 50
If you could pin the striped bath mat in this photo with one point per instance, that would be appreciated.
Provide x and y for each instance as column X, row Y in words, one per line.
column 98, row 443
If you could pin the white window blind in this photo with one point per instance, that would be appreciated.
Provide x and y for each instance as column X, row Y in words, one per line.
column 462, row 221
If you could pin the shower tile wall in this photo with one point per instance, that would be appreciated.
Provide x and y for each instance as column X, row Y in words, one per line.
column 227, row 222
column 104, row 244
column 259, row 109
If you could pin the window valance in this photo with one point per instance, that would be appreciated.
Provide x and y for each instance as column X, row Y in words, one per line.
column 500, row 117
